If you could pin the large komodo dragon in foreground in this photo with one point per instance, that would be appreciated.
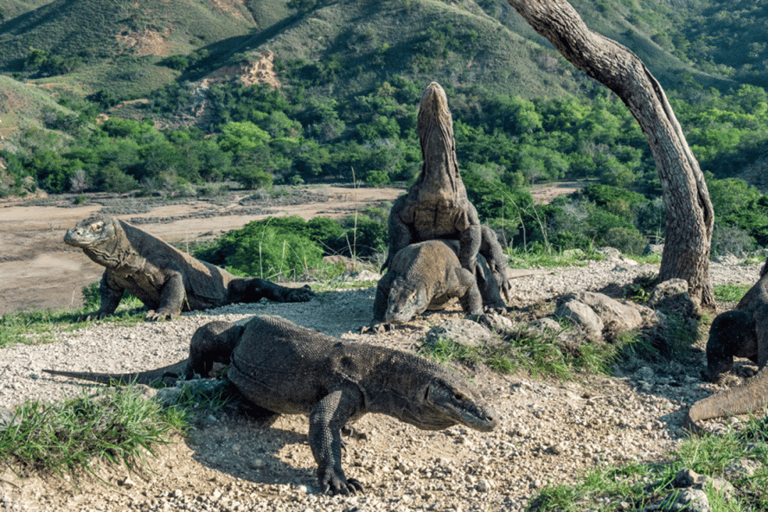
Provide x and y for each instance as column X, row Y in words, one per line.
column 742, row 332
column 287, row 369
column 165, row 279
column 426, row 276
column 436, row 205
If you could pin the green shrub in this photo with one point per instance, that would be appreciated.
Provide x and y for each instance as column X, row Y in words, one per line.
column 272, row 252
column 627, row 240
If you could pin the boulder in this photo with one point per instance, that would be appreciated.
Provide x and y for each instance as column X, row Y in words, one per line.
column 462, row 331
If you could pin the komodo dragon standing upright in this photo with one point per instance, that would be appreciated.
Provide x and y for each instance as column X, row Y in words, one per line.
column 742, row 332
column 436, row 205
column 426, row 276
column 287, row 369
column 165, row 279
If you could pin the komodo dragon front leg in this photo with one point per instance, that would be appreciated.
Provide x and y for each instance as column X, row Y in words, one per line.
column 111, row 294
column 325, row 422
column 172, row 298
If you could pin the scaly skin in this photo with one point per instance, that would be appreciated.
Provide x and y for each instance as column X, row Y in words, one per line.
column 426, row 276
column 752, row 396
column 287, row 369
column 742, row 332
column 165, row 279
column 436, row 206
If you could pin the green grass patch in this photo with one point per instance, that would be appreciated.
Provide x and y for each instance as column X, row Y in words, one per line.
column 540, row 355
column 730, row 292
column 540, row 258
column 636, row 485
column 116, row 424
column 40, row 326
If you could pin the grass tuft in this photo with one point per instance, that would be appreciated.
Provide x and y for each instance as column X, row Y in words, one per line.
column 730, row 292
column 116, row 424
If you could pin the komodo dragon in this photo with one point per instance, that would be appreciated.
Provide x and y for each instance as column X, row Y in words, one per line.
column 287, row 369
column 436, row 205
column 426, row 276
column 165, row 279
column 744, row 333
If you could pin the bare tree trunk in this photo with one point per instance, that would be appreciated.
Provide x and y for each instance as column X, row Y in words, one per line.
column 689, row 211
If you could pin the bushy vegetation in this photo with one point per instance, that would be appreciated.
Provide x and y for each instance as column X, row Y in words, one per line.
column 280, row 247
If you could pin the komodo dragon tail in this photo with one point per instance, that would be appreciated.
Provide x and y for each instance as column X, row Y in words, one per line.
column 164, row 375
column 749, row 397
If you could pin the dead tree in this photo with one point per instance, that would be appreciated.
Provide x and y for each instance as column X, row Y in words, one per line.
column 689, row 211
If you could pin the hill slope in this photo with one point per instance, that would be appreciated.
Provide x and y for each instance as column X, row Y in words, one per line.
column 117, row 44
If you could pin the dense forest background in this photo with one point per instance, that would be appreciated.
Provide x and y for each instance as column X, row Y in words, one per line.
column 182, row 99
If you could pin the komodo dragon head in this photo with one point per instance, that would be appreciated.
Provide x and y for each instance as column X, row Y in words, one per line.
column 96, row 235
column 438, row 146
column 405, row 301
column 444, row 400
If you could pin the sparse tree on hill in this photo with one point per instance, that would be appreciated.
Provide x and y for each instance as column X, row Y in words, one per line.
column 690, row 216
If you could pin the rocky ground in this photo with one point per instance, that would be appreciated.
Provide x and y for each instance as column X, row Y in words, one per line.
column 551, row 431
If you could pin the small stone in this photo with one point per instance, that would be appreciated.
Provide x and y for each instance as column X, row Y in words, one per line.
column 484, row 486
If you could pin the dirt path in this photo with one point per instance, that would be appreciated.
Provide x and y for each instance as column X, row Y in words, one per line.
column 39, row 271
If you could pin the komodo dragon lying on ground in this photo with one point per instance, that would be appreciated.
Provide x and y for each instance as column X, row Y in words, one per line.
column 426, row 276
column 742, row 332
column 436, row 205
column 287, row 369
column 165, row 279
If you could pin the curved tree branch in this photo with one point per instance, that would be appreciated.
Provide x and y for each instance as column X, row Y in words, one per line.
column 690, row 216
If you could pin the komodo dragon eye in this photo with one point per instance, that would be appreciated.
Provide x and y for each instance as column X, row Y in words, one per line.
column 458, row 397
column 98, row 226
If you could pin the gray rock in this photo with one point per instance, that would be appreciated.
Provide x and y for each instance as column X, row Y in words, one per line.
column 741, row 468
column 581, row 315
column 615, row 315
column 690, row 500
column 672, row 296
column 498, row 323
column 7, row 418
column 687, row 478
column 653, row 249
column 362, row 275
column 610, row 253
column 462, row 331
column 544, row 325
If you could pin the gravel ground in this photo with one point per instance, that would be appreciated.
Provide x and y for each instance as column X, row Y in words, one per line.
column 551, row 431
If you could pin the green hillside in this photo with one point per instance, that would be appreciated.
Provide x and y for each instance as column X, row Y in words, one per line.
column 117, row 45
column 114, row 40
column 24, row 107
column 12, row 8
